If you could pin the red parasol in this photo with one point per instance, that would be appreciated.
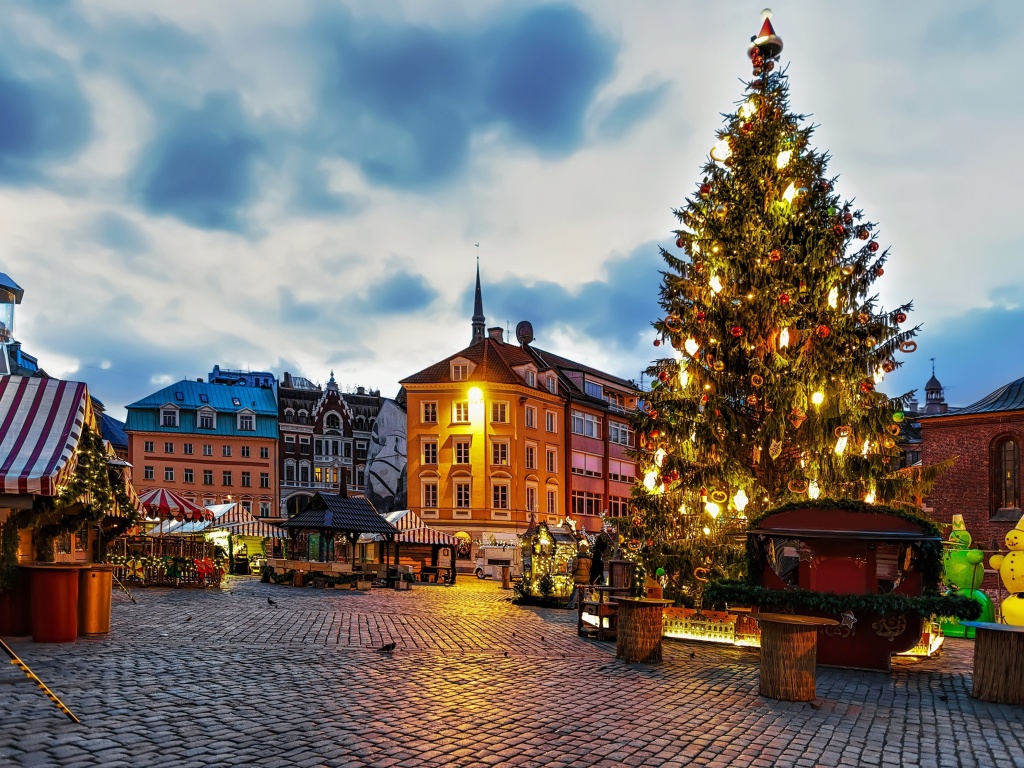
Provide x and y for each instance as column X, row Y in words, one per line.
column 163, row 503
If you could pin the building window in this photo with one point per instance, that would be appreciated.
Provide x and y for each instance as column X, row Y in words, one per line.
column 586, row 424
column 207, row 477
column 623, row 471
column 264, row 453
column 168, row 447
column 289, row 444
column 303, row 472
column 552, row 460
column 247, row 506
column 430, row 452
column 531, row 417
column 499, row 413
column 346, row 450
column 168, row 417
column 168, row 474
column 207, row 449
column 462, row 451
column 429, row 413
column 617, row 506
column 245, row 451
column 586, row 503
column 264, row 509
column 318, row 447
column 593, row 389
column 289, row 416
column 360, row 476
column 225, row 450
column 225, row 478
column 552, row 502
column 333, row 421
column 1005, row 474
column 246, row 480
column 304, row 445
column 246, row 422
column 186, row 448
column 499, row 454
column 586, row 464
column 460, row 412
column 531, row 378
column 552, row 385
column 551, row 421
column 207, row 420
column 500, row 495
column 361, row 447
column 620, row 433
column 289, row 472
column 531, row 498
column 462, row 496
column 149, row 473
column 264, row 479
column 189, row 476
column 460, row 371
column 531, row 456
column 148, row 446
column 430, row 495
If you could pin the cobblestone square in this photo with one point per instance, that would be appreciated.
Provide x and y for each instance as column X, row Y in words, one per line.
column 224, row 678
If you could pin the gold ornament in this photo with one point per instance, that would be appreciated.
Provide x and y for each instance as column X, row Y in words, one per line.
column 775, row 449
column 842, row 431
column 798, row 486
column 908, row 346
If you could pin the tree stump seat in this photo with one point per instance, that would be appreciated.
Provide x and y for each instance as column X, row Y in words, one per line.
column 789, row 649
column 639, row 629
column 998, row 662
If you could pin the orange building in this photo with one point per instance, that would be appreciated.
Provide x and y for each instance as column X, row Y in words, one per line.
column 212, row 443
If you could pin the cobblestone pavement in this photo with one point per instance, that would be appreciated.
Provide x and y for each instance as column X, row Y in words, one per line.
column 224, row 678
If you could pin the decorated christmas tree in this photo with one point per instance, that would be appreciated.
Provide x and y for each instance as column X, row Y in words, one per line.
column 776, row 345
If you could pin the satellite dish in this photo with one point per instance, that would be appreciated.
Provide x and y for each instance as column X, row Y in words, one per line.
column 524, row 332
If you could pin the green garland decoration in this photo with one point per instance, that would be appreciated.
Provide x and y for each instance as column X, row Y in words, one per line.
column 804, row 601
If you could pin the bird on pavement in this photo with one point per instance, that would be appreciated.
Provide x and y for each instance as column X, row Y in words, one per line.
column 271, row 602
column 387, row 648
column 189, row 619
column 506, row 654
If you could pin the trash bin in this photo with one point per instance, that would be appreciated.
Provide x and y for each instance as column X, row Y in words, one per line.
column 54, row 600
column 95, row 585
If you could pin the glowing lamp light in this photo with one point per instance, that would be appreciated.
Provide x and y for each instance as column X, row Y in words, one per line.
column 691, row 346
column 740, row 500
column 879, row 375
column 721, row 151
column 818, row 398
column 813, row 491
column 712, row 509
column 833, row 297
column 784, row 338
column 650, row 480
column 707, row 531
column 659, row 456
column 841, row 445
column 684, row 378
column 865, row 448
column 747, row 109
column 790, row 193
column 870, row 497
column 783, row 160
column 716, row 283
column 476, row 394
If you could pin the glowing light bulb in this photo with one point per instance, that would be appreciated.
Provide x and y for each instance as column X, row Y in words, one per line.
column 659, row 457
column 721, row 151
column 818, row 398
column 783, row 160
column 833, row 297
column 747, row 109
column 784, row 338
column 813, row 491
column 841, row 445
column 870, row 497
column 740, row 500
column 684, row 378
column 707, row 531
column 650, row 480
column 790, row 193
column 712, row 509
column 691, row 346
column 716, row 283
column 865, row 448
column 879, row 375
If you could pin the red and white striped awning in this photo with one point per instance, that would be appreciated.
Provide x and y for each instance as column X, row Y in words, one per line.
column 256, row 528
column 41, row 422
column 425, row 535
column 163, row 503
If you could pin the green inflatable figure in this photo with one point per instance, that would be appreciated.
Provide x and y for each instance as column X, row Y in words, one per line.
column 965, row 569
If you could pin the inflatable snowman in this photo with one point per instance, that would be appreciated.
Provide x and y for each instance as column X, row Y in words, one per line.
column 964, row 569
column 1011, row 571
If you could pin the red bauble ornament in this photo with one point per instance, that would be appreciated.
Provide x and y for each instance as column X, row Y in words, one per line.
column 657, row 342
column 700, row 317
column 654, row 433
column 879, row 272
column 680, row 242
column 747, row 127
column 783, row 298
column 867, row 386
column 839, row 229
column 823, row 331
column 848, row 218
column 888, row 366
column 736, row 331
column 873, row 246
column 653, row 415
column 663, row 375
column 863, row 233
column 901, row 317
column 705, row 189
column 775, row 255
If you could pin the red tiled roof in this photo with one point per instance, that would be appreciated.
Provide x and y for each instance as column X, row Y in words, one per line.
column 493, row 362
column 563, row 362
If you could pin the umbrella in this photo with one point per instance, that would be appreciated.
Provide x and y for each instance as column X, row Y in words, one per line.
column 161, row 502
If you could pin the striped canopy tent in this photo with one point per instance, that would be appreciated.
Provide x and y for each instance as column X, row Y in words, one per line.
column 41, row 422
column 426, row 535
column 240, row 522
column 164, row 503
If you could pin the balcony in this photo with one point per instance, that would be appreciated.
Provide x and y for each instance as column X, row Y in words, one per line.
column 313, row 485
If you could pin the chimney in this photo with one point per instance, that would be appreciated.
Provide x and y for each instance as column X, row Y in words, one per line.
column 360, row 390
column 497, row 333
column 343, row 482
column 200, row 380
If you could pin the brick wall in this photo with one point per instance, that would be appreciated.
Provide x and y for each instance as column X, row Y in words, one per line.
column 964, row 489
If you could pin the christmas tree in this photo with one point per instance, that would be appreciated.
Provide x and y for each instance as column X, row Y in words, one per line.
column 777, row 345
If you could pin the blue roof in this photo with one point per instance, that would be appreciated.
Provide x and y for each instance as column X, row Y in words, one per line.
column 189, row 396
column 113, row 430
column 1008, row 398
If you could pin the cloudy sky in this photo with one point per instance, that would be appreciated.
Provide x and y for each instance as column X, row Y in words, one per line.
column 299, row 186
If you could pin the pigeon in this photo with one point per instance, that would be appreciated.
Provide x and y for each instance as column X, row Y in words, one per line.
column 271, row 602
column 189, row 619
column 692, row 654
column 506, row 654
column 513, row 634
column 387, row 648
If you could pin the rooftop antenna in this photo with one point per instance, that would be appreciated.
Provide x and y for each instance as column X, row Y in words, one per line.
column 933, row 366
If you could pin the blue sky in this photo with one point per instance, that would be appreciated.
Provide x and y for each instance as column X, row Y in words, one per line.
column 299, row 185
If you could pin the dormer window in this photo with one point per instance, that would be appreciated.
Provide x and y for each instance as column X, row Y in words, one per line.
column 235, row 401
column 552, row 385
column 246, row 422
column 460, row 372
column 203, row 398
column 169, row 417
column 332, row 421
column 207, row 418
column 179, row 396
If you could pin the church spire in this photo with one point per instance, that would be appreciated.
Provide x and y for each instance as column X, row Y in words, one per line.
column 478, row 308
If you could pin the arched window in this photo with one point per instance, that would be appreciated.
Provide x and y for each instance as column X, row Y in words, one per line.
column 303, row 417
column 332, row 421
column 289, row 415
column 1005, row 464
column 289, row 471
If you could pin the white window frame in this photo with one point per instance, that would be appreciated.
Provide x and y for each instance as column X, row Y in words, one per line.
column 457, row 444
column 168, row 474
column 531, row 497
column 531, row 448
column 149, row 473
column 551, row 422
column 460, row 412
column 500, row 500
column 240, row 422
column 171, row 412
column 468, row 485
column 530, row 377
column 264, row 509
column 428, row 412
column 552, row 385
column 531, row 417
column 206, row 413
column 429, row 494
column 189, row 476
column 552, row 501
column 429, row 451
column 500, row 450
column 620, row 433
column 460, row 371
column 586, row 424
column 499, row 408
column 551, row 464
column 619, row 470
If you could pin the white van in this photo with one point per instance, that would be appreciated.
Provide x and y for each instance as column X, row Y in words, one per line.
column 490, row 558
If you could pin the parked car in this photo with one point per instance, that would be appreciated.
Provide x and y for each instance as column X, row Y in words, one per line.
column 490, row 558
